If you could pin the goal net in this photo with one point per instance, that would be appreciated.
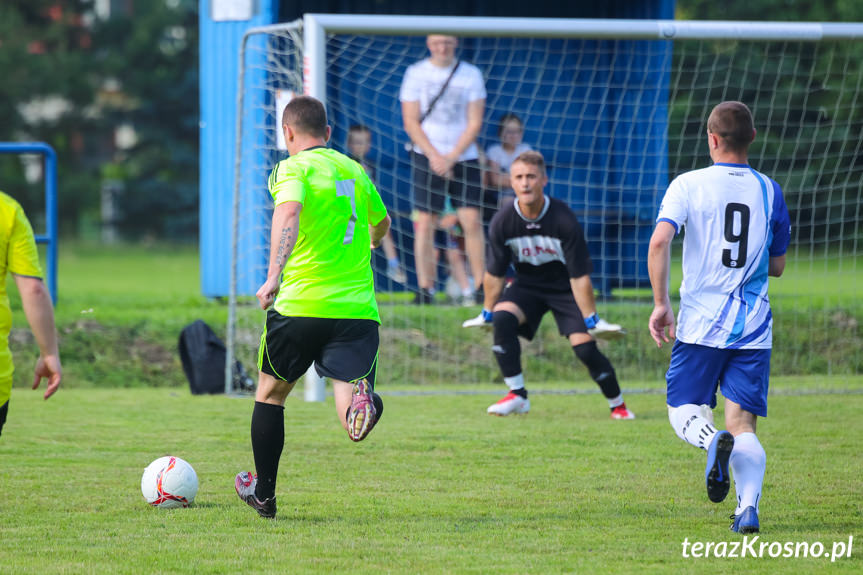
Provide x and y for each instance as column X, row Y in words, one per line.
column 618, row 110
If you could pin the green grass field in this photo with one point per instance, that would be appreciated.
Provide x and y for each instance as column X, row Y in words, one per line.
column 439, row 486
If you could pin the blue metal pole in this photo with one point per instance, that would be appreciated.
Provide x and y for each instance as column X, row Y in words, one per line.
column 51, row 218
column 50, row 236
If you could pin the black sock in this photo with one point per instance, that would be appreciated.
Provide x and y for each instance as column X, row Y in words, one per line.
column 599, row 367
column 268, row 439
column 519, row 392
column 507, row 349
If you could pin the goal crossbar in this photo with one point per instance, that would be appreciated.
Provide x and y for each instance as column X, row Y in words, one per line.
column 597, row 28
column 317, row 26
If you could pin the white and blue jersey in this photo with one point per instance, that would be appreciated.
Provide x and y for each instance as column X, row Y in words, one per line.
column 735, row 220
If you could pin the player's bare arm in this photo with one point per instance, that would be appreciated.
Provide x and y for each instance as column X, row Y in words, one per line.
column 378, row 231
column 658, row 267
column 776, row 266
column 39, row 311
column 283, row 238
column 582, row 291
column 492, row 287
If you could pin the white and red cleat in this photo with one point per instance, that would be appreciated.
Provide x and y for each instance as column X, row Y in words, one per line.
column 510, row 404
column 621, row 412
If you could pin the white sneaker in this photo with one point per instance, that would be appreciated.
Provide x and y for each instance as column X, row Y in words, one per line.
column 607, row 331
column 397, row 274
column 511, row 403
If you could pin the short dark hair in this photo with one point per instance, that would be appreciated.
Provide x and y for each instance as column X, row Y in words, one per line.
column 508, row 117
column 533, row 158
column 732, row 121
column 359, row 129
column 307, row 116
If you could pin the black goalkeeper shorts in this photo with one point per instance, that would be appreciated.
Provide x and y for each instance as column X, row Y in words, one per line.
column 535, row 302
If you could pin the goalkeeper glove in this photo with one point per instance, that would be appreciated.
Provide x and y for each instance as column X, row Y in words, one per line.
column 482, row 320
column 601, row 329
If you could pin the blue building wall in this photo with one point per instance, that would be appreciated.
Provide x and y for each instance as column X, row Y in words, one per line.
column 219, row 64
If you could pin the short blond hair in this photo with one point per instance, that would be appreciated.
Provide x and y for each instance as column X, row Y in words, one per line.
column 531, row 158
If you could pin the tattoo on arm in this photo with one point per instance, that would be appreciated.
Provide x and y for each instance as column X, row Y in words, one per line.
column 282, row 253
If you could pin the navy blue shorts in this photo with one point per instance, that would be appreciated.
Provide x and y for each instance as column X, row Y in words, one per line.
column 342, row 349
column 696, row 371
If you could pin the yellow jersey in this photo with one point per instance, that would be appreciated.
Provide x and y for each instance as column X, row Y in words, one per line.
column 18, row 255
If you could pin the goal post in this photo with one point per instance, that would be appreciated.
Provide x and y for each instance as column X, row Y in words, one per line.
column 618, row 107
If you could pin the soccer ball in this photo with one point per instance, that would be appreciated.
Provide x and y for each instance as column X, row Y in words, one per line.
column 169, row 482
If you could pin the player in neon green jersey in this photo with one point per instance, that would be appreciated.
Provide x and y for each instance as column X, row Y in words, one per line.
column 327, row 217
column 18, row 256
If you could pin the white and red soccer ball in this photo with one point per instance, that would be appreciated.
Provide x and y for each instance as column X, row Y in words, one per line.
column 169, row 482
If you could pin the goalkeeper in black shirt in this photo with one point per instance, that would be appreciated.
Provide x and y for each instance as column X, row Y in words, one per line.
column 543, row 240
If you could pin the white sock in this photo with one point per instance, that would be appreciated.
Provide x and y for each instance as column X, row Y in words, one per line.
column 692, row 424
column 615, row 401
column 515, row 382
column 748, row 463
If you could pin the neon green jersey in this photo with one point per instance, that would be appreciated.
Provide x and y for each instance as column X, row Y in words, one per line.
column 328, row 273
column 19, row 256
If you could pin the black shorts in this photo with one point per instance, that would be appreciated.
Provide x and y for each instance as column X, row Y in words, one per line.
column 342, row 349
column 430, row 190
column 534, row 302
column 4, row 409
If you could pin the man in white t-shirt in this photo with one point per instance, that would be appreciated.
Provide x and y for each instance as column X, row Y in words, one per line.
column 737, row 233
column 443, row 101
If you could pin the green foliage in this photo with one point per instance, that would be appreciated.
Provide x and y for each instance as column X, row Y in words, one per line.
column 782, row 10
column 43, row 56
column 137, row 69
column 438, row 487
column 802, row 95
column 153, row 54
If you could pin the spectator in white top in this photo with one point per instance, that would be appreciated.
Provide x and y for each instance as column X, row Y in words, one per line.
column 501, row 155
column 443, row 100
column 498, row 158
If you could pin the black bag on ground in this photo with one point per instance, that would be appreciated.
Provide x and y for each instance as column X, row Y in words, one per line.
column 203, row 356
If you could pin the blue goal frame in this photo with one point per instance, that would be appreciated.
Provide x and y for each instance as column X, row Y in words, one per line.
column 50, row 236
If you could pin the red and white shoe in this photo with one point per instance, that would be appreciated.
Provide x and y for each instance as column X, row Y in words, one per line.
column 621, row 412
column 510, row 404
